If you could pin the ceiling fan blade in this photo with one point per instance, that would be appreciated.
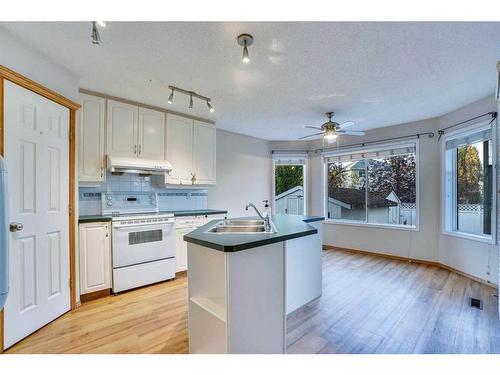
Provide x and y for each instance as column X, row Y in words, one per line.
column 310, row 135
column 350, row 132
column 346, row 124
column 313, row 127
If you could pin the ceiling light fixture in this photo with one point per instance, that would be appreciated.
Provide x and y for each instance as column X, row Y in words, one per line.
column 96, row 38
column 210, row 108
column 330, row 135
column 171, row 97
column 245, row 40
column 191, row 95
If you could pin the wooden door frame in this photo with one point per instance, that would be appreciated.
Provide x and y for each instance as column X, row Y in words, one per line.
column 10, row 75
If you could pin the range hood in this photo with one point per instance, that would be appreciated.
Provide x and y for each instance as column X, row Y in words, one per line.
column 138, row 166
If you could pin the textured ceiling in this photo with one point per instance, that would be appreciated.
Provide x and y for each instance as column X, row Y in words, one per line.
column 376, row 74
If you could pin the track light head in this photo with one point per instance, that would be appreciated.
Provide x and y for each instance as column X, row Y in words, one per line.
column 191, row 102
column 245, row 40
column 171, row 97
column 96, row 38
column 210, row 108
column 101, row 23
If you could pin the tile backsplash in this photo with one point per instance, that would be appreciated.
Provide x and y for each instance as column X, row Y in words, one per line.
column 168, row 198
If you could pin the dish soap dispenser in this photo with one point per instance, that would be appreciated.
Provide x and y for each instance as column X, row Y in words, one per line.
column 267, row 214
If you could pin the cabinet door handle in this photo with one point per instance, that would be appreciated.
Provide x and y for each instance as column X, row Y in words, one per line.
column 102, row 172
column 139, row 149
column 135, row 149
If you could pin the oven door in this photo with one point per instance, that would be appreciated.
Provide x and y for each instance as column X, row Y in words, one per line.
column 142, row 243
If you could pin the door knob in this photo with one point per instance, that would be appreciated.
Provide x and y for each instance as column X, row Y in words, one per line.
column 16, row 227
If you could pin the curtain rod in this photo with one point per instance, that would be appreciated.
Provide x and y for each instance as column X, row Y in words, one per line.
column 291, row 152
column 416, row 135
column 492, row 114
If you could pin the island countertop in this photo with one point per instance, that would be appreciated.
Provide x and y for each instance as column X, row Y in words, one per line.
column 287, row 227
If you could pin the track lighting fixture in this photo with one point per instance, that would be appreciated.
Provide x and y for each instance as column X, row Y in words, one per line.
column 171, row 97
column 245, row 40
column 191, row 95
column 96, row 38
column 210, row 108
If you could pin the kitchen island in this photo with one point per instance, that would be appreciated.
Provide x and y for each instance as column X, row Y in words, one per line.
column 242, row 285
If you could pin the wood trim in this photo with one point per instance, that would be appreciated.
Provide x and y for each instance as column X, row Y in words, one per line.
column 95, row 295
column 1, row 153
column 1, row 115
column 37, row 88
column 154, row 108
column 72, row 220
column 413, row 260
column 28, row 84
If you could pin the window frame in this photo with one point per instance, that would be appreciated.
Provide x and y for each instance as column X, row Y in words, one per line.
column 448, row 203
column 291, row 156
column 378, row 147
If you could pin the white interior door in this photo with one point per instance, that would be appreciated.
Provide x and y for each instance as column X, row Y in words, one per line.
column 37, row 155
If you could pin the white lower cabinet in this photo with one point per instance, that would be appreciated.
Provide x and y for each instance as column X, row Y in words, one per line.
column 184, row 225
column 181, row 249
column 95, row 257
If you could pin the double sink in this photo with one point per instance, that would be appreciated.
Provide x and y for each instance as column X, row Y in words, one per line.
column 237, row 226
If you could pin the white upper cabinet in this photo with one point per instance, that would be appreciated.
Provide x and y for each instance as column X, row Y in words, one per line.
column 191, row 148
column 91, row 157
column 151, row 135
column 179, row 149
column 204, row 153
column 122, row 129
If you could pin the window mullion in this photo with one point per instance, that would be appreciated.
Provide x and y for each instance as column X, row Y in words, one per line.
column 366, row 190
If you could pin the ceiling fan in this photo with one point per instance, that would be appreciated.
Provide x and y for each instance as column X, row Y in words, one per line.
column 330, row 130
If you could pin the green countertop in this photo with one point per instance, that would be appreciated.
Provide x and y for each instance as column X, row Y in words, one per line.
column 287, row 227
column 177, row 213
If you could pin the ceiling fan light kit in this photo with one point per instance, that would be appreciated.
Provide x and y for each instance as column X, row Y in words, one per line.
column 330, row 130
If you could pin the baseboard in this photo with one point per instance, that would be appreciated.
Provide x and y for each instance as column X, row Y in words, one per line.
column 95, row 295
column 413, row 260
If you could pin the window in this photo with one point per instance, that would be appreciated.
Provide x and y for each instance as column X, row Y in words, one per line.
column 374, row 186
column 289, row 184
column 469, row 177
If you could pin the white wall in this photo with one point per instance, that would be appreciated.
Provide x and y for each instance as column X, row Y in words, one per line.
column 26, row 60
column 421, row 244
column 243, row 173
column 427, row 243
column 476, row 258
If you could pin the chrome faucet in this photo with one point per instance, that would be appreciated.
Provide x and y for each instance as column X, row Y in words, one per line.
column 267, row 219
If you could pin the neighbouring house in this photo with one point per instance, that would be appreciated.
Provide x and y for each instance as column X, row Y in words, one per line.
column 290, row 201
column 349, row 204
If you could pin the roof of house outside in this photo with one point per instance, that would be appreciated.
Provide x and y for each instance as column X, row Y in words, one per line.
column 356, row 198
column 289, row 191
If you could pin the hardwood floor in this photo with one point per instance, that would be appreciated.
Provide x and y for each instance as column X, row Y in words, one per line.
column 369, row 304
column 372, row 304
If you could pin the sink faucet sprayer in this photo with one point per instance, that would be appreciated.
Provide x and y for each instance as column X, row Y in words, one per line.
column 266, row 217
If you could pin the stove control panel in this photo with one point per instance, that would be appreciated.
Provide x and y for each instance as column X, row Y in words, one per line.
column 120, row 203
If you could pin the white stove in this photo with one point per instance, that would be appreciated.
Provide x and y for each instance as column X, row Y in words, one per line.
column 143, row 241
